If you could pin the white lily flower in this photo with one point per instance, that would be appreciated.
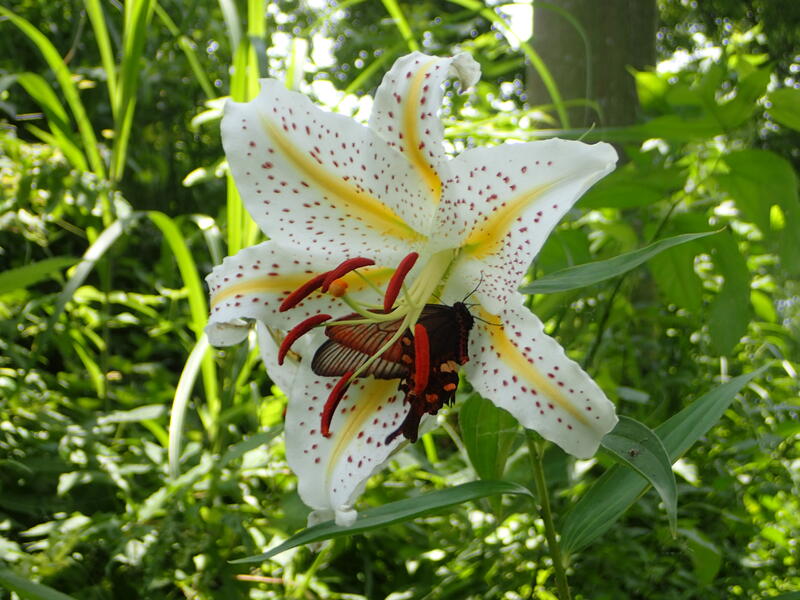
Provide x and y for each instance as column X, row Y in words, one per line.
column 365, row 209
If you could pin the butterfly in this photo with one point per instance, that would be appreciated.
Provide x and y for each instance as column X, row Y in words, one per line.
column 447, row 327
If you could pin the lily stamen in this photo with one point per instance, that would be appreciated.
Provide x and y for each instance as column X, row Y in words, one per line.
column 338, row 288
column 332, row 402
column 396, row 282
column 343, row 269
column 298, row 331
column 301, row 293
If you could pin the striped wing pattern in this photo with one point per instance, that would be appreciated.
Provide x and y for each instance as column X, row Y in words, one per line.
column 349, row 346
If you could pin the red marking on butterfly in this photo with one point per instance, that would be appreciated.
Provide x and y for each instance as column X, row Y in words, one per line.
column 350, row 346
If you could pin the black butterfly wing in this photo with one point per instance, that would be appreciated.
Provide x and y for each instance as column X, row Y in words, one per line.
column 350, row 346
column 448, row 330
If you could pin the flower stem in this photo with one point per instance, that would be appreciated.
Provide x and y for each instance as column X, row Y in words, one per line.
column 537, row 455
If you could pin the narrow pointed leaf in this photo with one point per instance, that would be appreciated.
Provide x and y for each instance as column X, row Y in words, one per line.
column 22, row 277
column 640, row 447
column 395, row 512
column 28, row 589
column 594, row 272
column 68, row 87
column 93, row 253
column 608, row 499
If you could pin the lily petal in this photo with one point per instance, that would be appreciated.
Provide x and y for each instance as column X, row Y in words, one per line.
column 333, row 471
column 318, row 181
column 526, row 372
column 513, row 196
column 405, row 111
column 252, row 284
column 282, row 375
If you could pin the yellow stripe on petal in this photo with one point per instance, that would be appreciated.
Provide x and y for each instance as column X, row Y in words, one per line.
column 518, row 362
column 411, row 133
column 347, row 197
column 377, row 392
column 487, row 237
column 276, row 284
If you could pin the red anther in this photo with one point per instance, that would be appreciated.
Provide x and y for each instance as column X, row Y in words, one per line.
column 338, row 288
column 396, row 282
column 298, row 330
column 302, row 292
column 351, row 264
column 333, row 402
column 422, row 358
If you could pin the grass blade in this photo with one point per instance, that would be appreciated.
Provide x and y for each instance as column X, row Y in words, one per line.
column 68, row 87
column 100, row 246
column 57, row 117
column 185, row 44
column 137, row 20
column 96, row 16
column 399, row 19
column 180, row 401
column 197, row 299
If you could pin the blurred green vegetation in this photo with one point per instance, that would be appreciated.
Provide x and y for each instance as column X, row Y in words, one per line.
column 91, row 353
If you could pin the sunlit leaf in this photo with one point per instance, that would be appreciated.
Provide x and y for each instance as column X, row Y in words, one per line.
column 395, row 512
column 587, row 274
column 785, row 107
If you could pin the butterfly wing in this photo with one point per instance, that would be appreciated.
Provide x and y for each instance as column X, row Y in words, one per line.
column 448, row 330
column 350, row 346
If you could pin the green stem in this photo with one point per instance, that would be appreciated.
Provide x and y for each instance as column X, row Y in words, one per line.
column 537, row 455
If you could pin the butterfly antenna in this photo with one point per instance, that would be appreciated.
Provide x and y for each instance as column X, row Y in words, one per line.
column 475, row 289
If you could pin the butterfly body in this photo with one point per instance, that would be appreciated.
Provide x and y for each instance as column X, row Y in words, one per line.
column 350, row 345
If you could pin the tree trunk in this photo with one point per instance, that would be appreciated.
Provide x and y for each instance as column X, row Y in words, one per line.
column 621, row 34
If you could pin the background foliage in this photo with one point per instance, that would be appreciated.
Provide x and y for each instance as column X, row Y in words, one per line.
column 114, row 156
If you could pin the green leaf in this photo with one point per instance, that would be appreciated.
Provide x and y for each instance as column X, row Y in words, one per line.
column 137, row 15
column 28, row 589
column 134, row 415
column 197, row 307
column 587, row 274
column 640, row 447
column 785, row 107
column 68, row 87
column 608, row 499
column 57, row 119
column 756, row 180
column 674, row 274
column 22, row 277
column 706, row 557
column 93, row 253
column 395, row 512
column 759, row 182
column 730, row 311
column 741, row 107
column 488, row 433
